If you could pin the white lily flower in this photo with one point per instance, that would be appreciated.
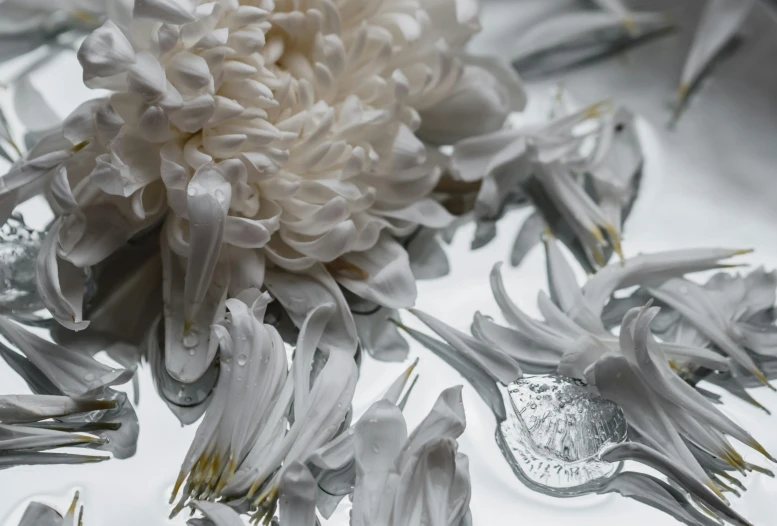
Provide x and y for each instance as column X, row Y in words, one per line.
column 595, row 140
column 282, row 138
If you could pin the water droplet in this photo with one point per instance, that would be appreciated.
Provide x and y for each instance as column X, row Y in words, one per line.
column 188, row 399
column 191, row 339
column 242, row 360
column 192, row 191
column 219, row 196
column 89, row 377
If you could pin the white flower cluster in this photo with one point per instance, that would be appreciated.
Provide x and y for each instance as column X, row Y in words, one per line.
column 270, row 138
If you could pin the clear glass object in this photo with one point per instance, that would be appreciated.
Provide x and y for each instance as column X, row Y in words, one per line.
column 19, row 245
column 554, row 432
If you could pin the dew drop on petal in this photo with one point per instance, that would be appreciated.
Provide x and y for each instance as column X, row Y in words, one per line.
column 242, row 360
column 190, row 340
column 192, row 191
column 89, row 377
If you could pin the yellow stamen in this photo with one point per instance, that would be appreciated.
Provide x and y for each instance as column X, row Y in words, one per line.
column 631, row 26
column 758, row 447
column 84, row 16
column 177, row 486
column 80, row 146
column 717, row 492
column 338, row 267
column 615, row 241
column 762, row 378
column 72, row 509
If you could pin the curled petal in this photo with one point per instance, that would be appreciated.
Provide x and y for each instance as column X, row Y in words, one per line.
column 106, row 52
column 60, row 284
column 301, row 292
column 75, row 373
column 651, row 267
column 387, row 279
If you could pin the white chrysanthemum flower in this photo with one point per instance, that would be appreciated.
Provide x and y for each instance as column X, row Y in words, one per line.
column 678, row 430
column 552, row 164
column 272, row 137
column 396, row 479
column 26, row 437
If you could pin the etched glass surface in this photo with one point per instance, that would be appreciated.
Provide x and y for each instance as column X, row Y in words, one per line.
column 554, row 432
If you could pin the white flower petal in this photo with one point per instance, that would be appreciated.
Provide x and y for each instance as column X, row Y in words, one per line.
column 378, row 439
column 445, row 420
column 209, row 196
column 428, row 259
column 170, row 11
column 658, row 494
column 106, row 52
column 219, row 514
column 528, row 237
column 651, row 267
column 424, row 487
column 30, row 458
column 38, row 514
column 566, row 292
column 379, row 337
column 387, row 279
column 189, row 345
column 297, row 497
column 478, row 104
column 720, row 21
column 307, row 343
column 616, row 380
column 31, row 108
column 76, row 374
column 493, row 360
column 299, row 293
column 677, row 472
column 60, row 284
column 31, row 408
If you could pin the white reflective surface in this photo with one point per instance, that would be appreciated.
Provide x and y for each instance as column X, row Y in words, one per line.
column 710, row 182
